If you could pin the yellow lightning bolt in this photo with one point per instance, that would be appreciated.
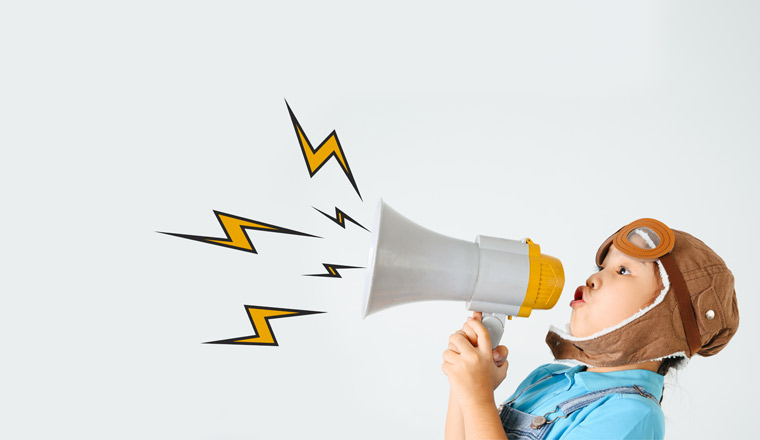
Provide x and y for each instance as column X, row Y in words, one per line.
column 259, row 317
column 237, row 236
column 315, row 158
column 332, row 270
column 341, row 218
column 234, row 228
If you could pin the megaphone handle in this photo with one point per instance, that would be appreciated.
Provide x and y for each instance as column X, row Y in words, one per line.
column 494, row 323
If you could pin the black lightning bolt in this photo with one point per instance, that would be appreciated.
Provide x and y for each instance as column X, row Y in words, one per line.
column 332, row 271
column 341, row 218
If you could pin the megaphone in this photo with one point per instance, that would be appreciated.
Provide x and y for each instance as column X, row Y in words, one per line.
column 499, row 277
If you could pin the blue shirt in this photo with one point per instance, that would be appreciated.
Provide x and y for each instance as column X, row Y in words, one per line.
column 615, row 416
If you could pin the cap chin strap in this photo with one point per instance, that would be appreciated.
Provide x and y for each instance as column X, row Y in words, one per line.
column 685, row 307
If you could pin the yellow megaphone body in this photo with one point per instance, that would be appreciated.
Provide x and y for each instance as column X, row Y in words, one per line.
column 499, row 277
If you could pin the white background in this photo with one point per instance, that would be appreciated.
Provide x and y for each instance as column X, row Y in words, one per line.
column 561, row 121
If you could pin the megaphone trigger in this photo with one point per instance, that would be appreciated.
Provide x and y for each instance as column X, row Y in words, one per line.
column 494, row 323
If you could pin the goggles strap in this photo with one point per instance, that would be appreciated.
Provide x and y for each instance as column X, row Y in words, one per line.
column 685, row 307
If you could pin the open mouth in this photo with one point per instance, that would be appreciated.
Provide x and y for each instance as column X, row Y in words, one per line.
column 579, row 294
column 578, row 298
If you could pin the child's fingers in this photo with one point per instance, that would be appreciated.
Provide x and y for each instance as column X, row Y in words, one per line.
column 449, row 356
column 484, row 339
column 471, row 335
column 460, row 342
column 450, row 359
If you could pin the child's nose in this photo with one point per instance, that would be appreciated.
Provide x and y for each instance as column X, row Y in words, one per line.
column 594, row 281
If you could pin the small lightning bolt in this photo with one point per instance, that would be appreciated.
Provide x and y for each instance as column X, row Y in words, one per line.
column 234, row 229
column 330, row 147
column 341, row 218
column 259, row 317
column 332, row 271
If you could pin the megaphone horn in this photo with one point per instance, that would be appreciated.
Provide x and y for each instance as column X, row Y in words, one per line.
column 496, row 276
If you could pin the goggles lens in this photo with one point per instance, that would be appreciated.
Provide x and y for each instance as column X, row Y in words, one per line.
column 644, row 238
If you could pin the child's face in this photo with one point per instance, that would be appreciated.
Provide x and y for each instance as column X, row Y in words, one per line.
column 621, row 288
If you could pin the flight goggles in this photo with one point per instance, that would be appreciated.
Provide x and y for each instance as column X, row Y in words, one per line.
column 645, row 239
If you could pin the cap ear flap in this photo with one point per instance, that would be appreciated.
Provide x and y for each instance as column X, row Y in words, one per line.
column 717, row 313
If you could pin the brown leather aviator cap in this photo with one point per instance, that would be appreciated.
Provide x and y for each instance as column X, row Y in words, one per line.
column 698, row 313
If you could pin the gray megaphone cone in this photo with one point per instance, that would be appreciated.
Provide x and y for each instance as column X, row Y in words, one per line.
column 410, row 263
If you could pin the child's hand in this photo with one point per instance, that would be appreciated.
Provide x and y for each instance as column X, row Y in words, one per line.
column 499, row 353
column 473, row 369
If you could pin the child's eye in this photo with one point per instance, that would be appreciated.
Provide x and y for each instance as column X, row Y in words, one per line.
column 599, row 268
column 623, row 271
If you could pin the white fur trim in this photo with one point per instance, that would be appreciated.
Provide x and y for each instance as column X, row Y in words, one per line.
column 571, row 362
column 575, row 362
column 680, row 354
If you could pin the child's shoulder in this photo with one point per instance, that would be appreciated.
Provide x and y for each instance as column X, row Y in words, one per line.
column 540, row 373
column 547, row 369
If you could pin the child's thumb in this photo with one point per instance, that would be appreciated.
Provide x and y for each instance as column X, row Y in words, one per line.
column 500, row 355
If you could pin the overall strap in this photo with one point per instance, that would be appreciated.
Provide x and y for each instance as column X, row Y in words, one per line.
column 570, row 406
column 526, row 389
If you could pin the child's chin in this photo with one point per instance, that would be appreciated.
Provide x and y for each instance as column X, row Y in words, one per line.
column 576, row 330
column 573, row 322
column 571, row 328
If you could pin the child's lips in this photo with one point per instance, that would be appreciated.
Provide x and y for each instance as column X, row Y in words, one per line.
column 578, row 299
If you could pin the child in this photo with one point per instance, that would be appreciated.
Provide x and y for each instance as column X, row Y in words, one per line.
column 660, row 297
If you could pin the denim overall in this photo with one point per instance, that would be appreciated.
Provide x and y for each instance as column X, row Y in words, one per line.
column 519, row 425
